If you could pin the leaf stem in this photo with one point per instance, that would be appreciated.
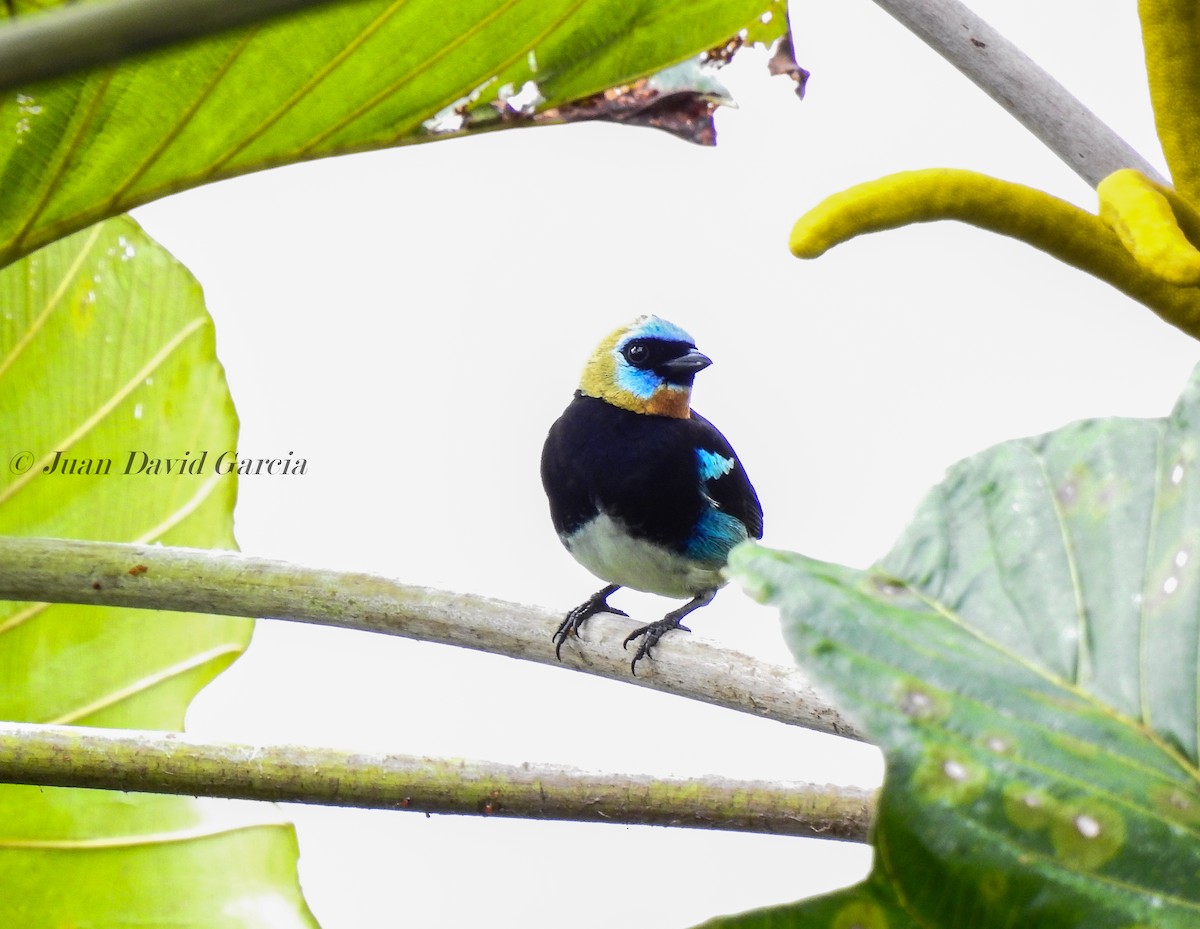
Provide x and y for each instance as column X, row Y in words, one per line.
column 233, row 584
column 175, row 763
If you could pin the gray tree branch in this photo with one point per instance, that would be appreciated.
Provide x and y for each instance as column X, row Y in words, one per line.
column 230, row 583
column 175, row 763
column 66, row 39
column 1026, row 91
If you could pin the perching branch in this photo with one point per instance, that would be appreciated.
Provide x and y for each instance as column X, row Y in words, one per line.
column 230, row 583
column 1007, row 75
column 157, row 762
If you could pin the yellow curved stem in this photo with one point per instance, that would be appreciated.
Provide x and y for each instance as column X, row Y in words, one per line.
column 1140, row 213
column 1070, row 234
column 1171, row 36
column 1043, row 221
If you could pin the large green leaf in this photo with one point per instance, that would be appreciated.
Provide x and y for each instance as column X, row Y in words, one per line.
column 349, row 76
column 106, row 351
column 1026, row 657
column 114, row 860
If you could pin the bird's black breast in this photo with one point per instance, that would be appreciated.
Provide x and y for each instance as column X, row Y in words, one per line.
column 640, row 469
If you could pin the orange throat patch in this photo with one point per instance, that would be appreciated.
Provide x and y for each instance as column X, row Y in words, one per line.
column 668, row 402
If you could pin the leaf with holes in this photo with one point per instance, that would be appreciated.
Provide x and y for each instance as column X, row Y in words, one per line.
column 343, row 77
column 1026, row 656
column 112, row 396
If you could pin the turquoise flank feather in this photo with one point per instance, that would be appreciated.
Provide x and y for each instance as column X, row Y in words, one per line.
column 715, row 534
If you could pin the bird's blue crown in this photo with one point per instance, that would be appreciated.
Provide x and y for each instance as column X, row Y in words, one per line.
column 609, row 375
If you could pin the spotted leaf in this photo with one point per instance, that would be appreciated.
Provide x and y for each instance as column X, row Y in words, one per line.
column 1026, row 656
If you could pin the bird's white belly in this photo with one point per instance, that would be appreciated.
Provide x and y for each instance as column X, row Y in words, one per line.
column 609, row 552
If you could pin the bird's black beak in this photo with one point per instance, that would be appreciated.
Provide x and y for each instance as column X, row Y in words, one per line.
column 681, row 370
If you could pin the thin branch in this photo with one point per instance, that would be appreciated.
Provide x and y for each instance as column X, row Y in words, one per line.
column 174, row 763
column 1006, row 74
column 230, row 583
column 72, row 38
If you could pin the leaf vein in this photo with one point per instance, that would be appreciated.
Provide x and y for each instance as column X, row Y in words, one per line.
column 1050, row 862
column 106, row 407
column 133, row 689
column 1082, row 660
column 1099, row 705
column 182, row 121
column 133, row 841
column 463, row 89
column 35, row 326
column 1083, row 784
column 52, row 176
column 314, row 80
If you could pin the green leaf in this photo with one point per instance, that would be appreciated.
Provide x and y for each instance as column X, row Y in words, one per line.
column 1026, row 656
column 344, row 77
column 106, row 350
column 101, row 858
column 870, row 905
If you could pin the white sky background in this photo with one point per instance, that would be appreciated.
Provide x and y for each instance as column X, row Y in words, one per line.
column 412, row 321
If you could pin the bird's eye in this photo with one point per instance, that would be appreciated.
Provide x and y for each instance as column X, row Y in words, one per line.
column 637, row 354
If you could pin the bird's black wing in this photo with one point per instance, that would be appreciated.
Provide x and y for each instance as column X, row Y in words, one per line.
column 567, row 466
column 731, row 491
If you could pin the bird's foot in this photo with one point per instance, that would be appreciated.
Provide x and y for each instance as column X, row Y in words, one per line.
column 596, row 603
column 649, row 635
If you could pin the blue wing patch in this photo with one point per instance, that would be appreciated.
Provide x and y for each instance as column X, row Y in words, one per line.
column 715, row 533
column 713, row 465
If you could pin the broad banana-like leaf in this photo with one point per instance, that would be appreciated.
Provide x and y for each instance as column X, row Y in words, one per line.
column 344, row 77
column 113, row 410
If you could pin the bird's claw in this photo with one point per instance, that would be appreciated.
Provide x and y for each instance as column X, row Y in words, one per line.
column 649, row 635
column 596, row 603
